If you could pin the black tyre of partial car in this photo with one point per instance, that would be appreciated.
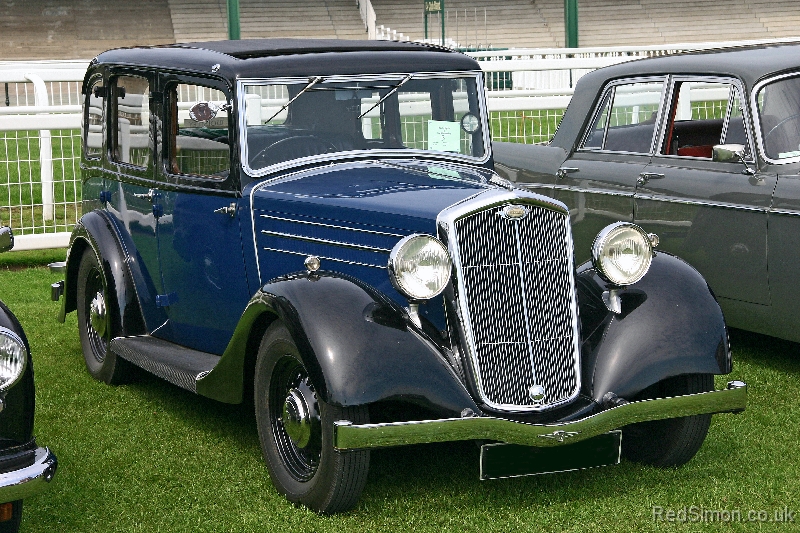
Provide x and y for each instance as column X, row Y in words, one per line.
column 12, row 526
column 674, row 441
column 296, row 431
column 98, row 323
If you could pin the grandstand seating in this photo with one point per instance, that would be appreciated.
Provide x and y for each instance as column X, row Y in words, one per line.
column 69, row 29
column 62, row 29
column 508, row 23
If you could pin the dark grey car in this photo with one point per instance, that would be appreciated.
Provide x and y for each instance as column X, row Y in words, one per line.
column 702, row 149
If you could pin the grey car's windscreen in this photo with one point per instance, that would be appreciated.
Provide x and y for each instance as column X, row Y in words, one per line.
column 779, row 116
column 318, row 117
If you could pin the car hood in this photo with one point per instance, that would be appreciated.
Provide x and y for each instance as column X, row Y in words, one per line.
column 404, row 196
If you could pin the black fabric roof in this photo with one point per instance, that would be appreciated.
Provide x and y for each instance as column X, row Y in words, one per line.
column 272, row 47
column 265, row 58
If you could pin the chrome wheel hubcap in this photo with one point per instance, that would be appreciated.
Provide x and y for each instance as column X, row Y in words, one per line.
column 301, row 415
column 297, row 419
column 97, row 314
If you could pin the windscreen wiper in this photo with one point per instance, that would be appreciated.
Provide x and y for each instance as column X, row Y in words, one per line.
column 387, row 95
column 312, row 81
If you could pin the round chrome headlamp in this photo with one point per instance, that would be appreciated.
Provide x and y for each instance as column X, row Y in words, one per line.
column 419, row 267
column 622, row 253
column 13, row 358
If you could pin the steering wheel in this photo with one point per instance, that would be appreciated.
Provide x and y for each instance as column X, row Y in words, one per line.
column 796, row 116
column 293, row 148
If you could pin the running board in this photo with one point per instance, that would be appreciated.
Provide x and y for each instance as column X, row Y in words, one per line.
column 179, row 365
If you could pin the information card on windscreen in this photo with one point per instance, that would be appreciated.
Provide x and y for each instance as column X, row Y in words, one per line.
column 444, row 136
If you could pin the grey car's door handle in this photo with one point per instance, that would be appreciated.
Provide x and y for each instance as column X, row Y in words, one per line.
column 644, row 177
column 563, row 171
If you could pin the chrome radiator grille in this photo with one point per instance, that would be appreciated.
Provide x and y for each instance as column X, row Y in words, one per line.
column 518, row 294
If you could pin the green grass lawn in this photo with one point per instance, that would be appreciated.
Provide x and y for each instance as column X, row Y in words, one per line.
column 152, row 457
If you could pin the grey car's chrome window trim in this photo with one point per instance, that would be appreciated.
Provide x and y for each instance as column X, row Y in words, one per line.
column 736, row 84
column 612, row 86
column 243, row 83
column 592, row 191
column 787, row 212
column 677, row 200
column 757, row 115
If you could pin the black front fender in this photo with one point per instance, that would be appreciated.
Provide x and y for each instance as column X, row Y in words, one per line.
column 670, row 324
column 355, row 344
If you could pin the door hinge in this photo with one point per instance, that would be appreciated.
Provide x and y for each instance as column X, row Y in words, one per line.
column 165, row 300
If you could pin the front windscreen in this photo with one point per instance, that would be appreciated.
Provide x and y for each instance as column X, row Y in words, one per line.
column 397, row 114
column 779, row 113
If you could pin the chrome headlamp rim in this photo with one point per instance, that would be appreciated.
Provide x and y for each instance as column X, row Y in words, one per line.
column 10, row 334
column 393, row 262
column 601, row 240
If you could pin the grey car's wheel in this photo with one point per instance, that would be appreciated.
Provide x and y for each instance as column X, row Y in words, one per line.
column 674, row 441
column 98, row 323
column 296, row 431
column 12, row 525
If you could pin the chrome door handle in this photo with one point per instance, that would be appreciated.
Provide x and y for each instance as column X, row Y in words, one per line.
column 563, row 171
column 149, row 195
column 229, row 209
column 644, row 177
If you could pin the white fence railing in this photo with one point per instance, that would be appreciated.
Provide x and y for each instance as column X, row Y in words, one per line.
column 40, row 119
column 39, row 150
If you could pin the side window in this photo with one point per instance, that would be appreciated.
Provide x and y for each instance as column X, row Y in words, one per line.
column 703, row 114
column 93, row 113
column 196, row 146
column 628, row 118
column 131, row 139
column 598, row 130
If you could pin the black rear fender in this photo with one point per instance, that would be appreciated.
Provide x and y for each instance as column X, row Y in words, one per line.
column 98, row 232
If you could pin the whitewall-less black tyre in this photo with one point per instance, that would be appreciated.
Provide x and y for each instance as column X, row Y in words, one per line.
column 296, row 431
column 98, row 323
column 674, row 441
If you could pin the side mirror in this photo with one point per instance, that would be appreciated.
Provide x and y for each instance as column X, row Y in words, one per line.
column 732, row 153
column 6, row 239
column 728, row 153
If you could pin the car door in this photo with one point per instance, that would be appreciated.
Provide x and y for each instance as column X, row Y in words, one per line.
column 713, row 214
column 130, row 187
column 598, row 181
column 205, row 286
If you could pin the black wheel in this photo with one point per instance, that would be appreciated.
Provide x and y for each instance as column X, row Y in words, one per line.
column 98, row 323
column 296, row 431
column 674, row 441
column 12, row 525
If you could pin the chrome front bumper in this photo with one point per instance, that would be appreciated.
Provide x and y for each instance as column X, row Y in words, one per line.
column 19, row 484
column 348, row 436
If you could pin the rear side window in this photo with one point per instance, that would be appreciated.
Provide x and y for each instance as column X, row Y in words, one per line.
column 132, row 141
column 626, row 120
column 198, row 147
column 93, row 113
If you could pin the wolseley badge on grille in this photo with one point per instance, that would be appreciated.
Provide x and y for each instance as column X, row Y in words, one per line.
column 514, row 212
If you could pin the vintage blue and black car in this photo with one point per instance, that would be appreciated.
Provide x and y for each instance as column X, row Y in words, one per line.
column 316, row 227
column 702, row 149
column 25, row 468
